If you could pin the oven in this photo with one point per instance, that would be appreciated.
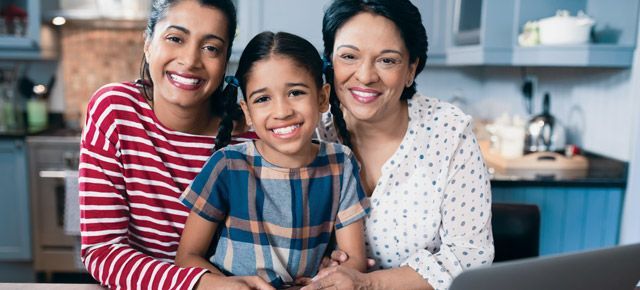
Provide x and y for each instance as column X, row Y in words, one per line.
column 50, row 160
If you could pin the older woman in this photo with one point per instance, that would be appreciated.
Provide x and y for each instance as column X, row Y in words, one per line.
column 421, row 166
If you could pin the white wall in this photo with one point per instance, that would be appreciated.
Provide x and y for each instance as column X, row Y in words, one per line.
column 593, row 104
column 630, row 227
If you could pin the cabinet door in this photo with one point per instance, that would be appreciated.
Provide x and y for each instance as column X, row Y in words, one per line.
column 301, row 17
column 434, row 15
column 571, row 218
column 22, row 41
column 15, row 238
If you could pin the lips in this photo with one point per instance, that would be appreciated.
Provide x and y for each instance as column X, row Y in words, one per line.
column 287, row 131
column 364, row 95
column 185, row 81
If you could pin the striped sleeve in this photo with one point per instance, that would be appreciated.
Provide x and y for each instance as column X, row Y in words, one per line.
column 106, row 250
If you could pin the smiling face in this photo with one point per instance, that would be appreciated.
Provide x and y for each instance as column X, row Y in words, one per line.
column 283, row 104
column 372, row 67
column 187, row 55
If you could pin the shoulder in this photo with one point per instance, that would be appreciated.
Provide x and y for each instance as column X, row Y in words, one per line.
column 236, row 151
column 116, row 96
column 338, row 152
column 437, row 114
column 333, row 148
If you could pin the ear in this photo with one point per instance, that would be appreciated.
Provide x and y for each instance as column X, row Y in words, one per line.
column 412, row 72
column 323, row 98
column 147, row 43
column 247, row 115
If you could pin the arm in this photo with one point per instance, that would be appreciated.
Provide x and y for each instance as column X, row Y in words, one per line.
column 397, row 278
column 194, row 243
column 467, row 241
column 104, row 212
column 350, row 239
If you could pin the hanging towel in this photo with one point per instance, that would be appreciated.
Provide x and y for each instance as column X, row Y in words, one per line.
column 71, row 203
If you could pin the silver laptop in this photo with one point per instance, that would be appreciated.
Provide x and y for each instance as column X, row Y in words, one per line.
column 616, row 268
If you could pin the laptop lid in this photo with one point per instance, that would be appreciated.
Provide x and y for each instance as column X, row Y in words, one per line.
column 611, row 269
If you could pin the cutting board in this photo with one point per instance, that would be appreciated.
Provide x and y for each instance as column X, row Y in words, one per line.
column 547, row 161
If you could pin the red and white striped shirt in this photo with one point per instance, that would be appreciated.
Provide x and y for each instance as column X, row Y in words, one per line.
column 132, row 172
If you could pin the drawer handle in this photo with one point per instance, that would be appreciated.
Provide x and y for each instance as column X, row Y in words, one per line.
column 52, row 174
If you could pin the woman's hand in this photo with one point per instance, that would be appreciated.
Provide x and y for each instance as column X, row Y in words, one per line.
column 214, row 281
column 339, row 278
column 338, row 257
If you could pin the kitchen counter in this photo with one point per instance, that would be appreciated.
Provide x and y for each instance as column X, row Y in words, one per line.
column 602, row 172
column 56, row 128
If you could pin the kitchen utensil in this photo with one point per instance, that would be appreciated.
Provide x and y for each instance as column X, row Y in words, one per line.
column 535, row 165
column 544, row 132
column 564, row 29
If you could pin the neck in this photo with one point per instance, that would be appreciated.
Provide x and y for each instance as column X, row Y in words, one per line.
column 197, row 120
column 299, row 160
column 371, row 133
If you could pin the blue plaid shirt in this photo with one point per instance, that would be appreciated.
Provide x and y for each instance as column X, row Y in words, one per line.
column 276, row 222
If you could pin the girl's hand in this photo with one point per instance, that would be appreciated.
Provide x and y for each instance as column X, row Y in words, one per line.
column 338, row 257
column 339, row 278
column 213, row 281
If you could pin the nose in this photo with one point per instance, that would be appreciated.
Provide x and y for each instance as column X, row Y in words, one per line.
column 367, row 73
column 190, row 56
column 282, row 109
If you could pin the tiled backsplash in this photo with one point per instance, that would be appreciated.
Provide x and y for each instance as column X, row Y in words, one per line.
column 93, row 57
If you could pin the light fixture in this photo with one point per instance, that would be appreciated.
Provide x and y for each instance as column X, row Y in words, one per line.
column 39, row 89
column 58, row 20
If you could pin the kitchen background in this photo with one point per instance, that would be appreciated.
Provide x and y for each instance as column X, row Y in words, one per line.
column 594, row 89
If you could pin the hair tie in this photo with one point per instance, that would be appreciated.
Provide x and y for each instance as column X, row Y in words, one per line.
column 232, row 81
column 326, row 64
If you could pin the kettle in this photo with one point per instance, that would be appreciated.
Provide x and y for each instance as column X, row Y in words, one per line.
column 543, row 131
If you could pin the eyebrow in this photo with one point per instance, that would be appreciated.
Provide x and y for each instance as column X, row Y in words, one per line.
column 186, row 31
column 382, row 52
column 288, row 85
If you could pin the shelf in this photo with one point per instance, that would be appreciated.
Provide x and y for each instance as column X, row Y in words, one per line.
column 11, row 42
column 478, row 55
column 595, row 55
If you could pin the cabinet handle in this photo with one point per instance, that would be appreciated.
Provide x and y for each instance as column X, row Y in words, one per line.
column 52, row 174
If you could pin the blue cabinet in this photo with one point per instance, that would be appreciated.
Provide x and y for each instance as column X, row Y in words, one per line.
column 434, row 18
column 303, row 18
column 501, row 21
column 571, row 218
column 26, row 43
column 15, row 240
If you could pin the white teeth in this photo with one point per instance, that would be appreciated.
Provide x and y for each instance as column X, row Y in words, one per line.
column 364, row 94
column 183, row 80
column 285, row 130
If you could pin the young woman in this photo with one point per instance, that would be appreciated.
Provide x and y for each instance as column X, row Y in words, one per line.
column 144, row 142
column 429, row 189
column 276, row 201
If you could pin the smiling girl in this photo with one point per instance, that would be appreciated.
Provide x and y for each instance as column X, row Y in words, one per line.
column 276, row 201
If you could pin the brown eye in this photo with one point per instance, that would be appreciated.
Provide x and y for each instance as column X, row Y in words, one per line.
column 173, row 38
column 261, row 99
column 296, row 93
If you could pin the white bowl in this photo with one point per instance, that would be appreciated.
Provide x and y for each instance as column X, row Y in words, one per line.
column 564, row 29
